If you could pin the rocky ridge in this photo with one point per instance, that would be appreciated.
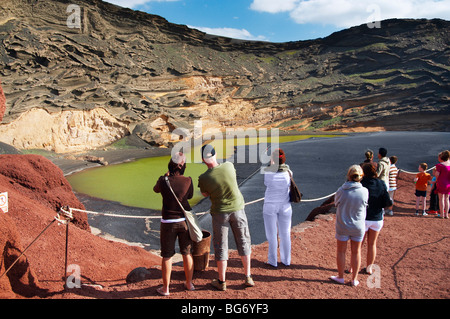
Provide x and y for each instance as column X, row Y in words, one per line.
column 152, row 76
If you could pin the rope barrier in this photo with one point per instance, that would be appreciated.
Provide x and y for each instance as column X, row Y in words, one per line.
column 414, row 173
column 122, row 216
column 64, row 216
column 158, row 217
column 303, row 200
column 317, row 199
column 203, row 213
column 112, row 215
column 255, row 201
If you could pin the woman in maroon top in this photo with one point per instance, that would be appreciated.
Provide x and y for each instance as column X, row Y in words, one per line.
column 443, row 182
column 173, row 224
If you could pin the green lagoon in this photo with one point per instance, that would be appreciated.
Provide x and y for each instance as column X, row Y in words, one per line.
column 131, row 183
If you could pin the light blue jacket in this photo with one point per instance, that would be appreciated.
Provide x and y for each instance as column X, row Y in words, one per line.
column 351, row 201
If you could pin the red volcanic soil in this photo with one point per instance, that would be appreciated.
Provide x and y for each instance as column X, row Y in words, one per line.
column 36, row 190
column 412, row 254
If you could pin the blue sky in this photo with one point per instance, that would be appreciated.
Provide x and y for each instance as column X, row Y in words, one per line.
column 285, row 20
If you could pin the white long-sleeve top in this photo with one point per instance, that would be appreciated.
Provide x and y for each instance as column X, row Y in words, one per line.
column 277, row 187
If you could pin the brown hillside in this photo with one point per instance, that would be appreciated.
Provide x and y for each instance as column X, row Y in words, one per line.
column 149, row 76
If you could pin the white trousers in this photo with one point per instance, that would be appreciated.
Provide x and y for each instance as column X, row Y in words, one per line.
column 277, row 222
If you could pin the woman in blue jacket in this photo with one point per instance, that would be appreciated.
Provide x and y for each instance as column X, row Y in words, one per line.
column 351, row 202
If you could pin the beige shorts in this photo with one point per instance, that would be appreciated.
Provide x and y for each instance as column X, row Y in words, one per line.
column 238, row 222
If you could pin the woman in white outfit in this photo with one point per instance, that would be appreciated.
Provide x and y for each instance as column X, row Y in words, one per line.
column 277, row 210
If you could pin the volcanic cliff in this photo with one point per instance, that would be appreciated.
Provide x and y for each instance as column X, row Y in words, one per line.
column 84, row 73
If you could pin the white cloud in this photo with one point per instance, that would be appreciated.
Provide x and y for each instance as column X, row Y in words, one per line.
column 273, row 6
column 133, row 3
column 242, row 34
column 347, row 13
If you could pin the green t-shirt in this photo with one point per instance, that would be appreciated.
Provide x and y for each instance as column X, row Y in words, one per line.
column 221, row 185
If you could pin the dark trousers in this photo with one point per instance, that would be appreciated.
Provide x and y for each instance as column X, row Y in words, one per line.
column 434, row 199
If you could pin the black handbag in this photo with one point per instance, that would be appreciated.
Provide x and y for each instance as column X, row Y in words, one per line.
column 295, row 196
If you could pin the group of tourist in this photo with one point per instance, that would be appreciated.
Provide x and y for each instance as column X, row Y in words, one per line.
column 227, row 210
column 362, row 200
column 439, row 194
column 361, row 204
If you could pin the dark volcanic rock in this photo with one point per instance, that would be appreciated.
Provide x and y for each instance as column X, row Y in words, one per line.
column 138, row 274
column 139, row 66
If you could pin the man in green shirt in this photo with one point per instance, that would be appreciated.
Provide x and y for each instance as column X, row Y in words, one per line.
column 227, row 209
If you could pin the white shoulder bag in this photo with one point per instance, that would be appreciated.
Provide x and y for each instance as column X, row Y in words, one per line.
column 195, row 232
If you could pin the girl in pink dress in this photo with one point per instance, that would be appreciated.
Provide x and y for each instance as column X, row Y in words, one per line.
column 443, row 182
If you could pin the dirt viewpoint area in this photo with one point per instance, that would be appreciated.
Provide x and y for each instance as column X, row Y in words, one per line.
column 413, row 254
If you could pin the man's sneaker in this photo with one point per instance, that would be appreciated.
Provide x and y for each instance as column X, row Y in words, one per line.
column 219, row 286
column 249, row 281
column 424, row 213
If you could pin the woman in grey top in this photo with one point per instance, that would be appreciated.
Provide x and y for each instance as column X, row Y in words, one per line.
column 351, row 202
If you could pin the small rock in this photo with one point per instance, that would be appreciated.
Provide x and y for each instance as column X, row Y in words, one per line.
column 138, row 274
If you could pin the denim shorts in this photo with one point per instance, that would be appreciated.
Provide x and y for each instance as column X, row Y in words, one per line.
column 239, row 225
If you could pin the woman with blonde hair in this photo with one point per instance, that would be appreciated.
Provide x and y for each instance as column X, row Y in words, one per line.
column 351, row 202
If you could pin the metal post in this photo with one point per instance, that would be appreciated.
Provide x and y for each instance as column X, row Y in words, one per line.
column 67, row 249
column 66, row 218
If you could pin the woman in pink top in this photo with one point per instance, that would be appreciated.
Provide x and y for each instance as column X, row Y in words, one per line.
column 443, row 182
